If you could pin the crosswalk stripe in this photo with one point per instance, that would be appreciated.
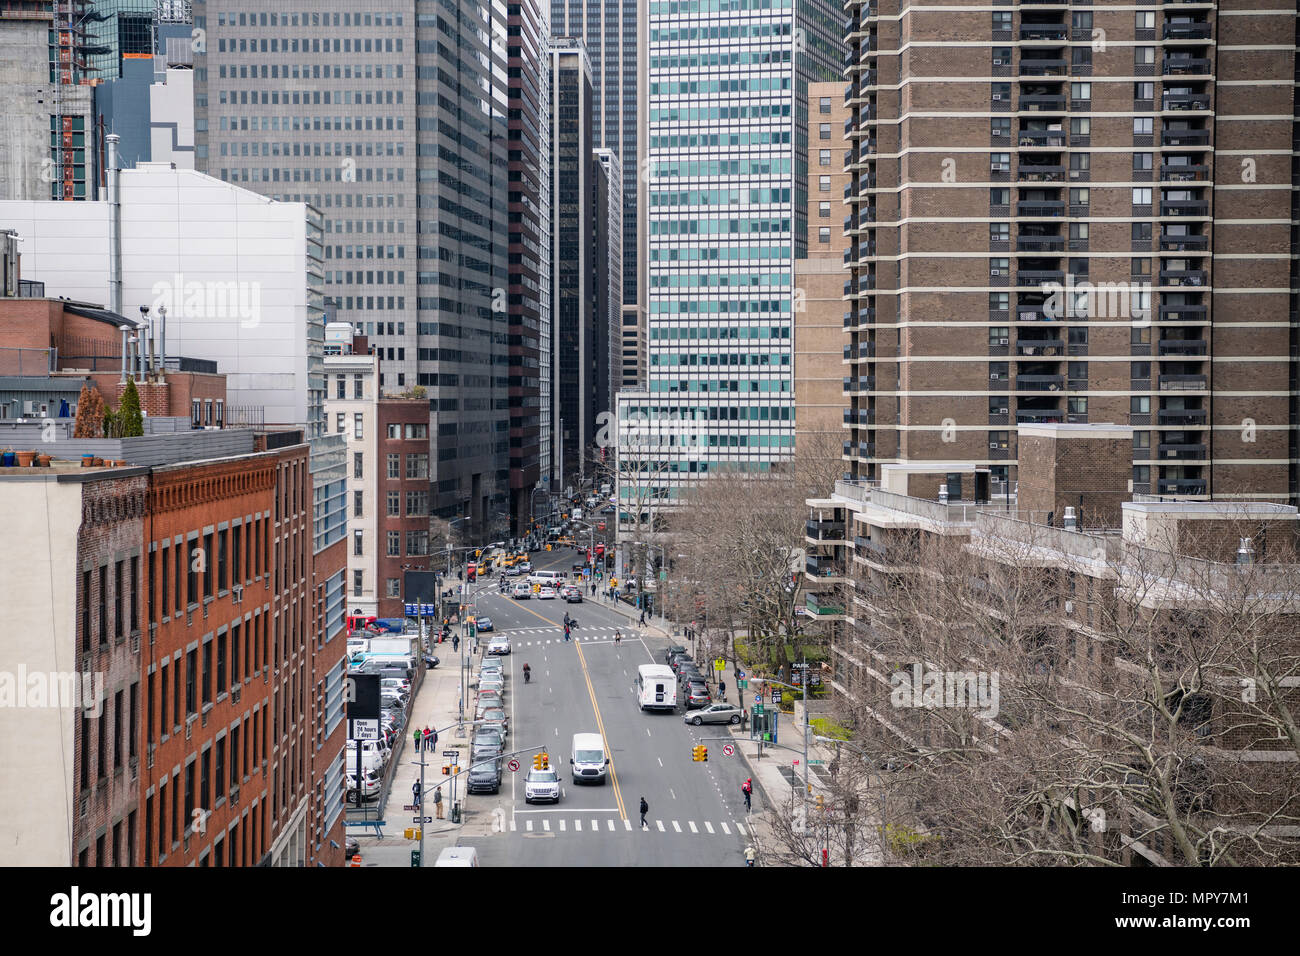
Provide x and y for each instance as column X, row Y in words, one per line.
column 724, row 828
column 677, row 826
column 546, row 825
column 627, row 824
column 595, row 824
column 708, row 826
column 512, row 826
column 740, row 829
column 691, row 824
column 562, row 825
column 577, row 825
column 661, row 825
column 528, row 825
column 611, row 825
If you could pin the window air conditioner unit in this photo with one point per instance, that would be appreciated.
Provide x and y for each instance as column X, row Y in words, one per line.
column 993, row 376
column 997, row 62
column 997, row 96
column 1004, row 341
column 993, row 445
column 237, row 594
column 1002, row 411
column 995, row 272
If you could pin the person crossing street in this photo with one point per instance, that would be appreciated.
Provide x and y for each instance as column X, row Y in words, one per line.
column 645, row 808
column 747, row 788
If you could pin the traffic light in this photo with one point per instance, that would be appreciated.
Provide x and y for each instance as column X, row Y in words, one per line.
column 700, row 753
column 446, row 770
column 537, row 761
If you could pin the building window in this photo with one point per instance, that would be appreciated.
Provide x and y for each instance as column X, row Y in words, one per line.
column 207, row 411
column 358, row 426
column 824, row 234
column 1142, row 196
column 394, row 544
column 358, row 504
column 357, row 385
column 824, row 104
column 394, row 466
column 341, row 387
column 358, row 468
column 417, row 503
column 823, row 184
column 393, row 587
column 824, row 131
column 358, row 578
column 340, row 419
column 394, row 431
column 417, row 466
column 358, row 542
column 417, row 431
column 823, row 210
column 417, row 542
column 823, row 157
column 1140, row 404
column 196, row 413
column 221, row 413
column 394, row 504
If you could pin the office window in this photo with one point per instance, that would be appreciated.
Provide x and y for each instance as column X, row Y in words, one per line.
column 824, row 104
column 393, row 587
column 358, row 503
column 394, row 504
column 394, row 544
column 357, row 390
column 394, row 431
column 824, row 131
column 358, row 542
column 823, row 157
column 358, row 578
column 823, row 210
column 1142, row 196
column 358, row 464
column 1142, row 125
column 340, row 387
column 394, row 466
column 340, row 419
column 417, row 466
column 823, row 184
column 358, row 426
column 824, row 234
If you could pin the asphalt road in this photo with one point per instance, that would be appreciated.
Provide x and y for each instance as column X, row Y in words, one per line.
column 696, row 815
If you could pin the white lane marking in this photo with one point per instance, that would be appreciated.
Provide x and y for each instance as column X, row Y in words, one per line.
column 647, row 731
column 627, row 824
column 691, row 824
column 611, row 825
column 708, row 826
column 670, row 790
column 512, row 826
column 561, row 823
column 677, row 826
column 661, row 825
column 661, row 760
column 528, row 825
column 724, row 828
column 546, row 825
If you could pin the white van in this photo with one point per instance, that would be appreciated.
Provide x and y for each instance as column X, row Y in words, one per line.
column 588, row 760
column 656, row 687
column 552, row 579
column 458, row 856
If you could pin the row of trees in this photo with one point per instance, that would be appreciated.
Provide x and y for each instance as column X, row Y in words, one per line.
column 96, row 420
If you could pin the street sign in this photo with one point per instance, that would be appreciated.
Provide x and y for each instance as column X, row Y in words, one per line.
column 421, row 819
column 365, row 729
column 451, row 753
column 719, row 664
column 728, row 750
column 410, row 806
column 758, row 699
column 513, row 765
column 816, row 762
column 758, row 709
column 742, row 684
column 776, row 697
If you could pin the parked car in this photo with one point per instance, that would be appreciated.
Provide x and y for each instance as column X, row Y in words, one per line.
column 676, row 661
column 719, row 713
column 695, row 694
column 487, row 737
column 372, row 782
column 673, row 649
column 484, row 775
column 484, row 623
column 491, row 682
column 499, row 645
column 542, row 785
column 494, row 717
column 521, row 592
column 546, row 593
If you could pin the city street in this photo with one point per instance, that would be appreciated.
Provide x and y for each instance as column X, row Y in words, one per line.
column 696, row 813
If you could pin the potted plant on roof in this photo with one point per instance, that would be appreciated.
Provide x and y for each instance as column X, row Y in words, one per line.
column 25, row 458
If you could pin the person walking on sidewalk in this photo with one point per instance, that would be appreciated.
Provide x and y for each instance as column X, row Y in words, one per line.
column 417, row 740
column 437, row 801
column 455, row 644
column 645, row 808
column 749, row 855
column 643, row 617
column 722, row 689
column 427, row 739
column 747, row 788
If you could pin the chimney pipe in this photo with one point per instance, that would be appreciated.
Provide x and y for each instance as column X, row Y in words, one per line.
column 1069, row 520
column 162, row 339
column 114, row 227
column 151, row 367
column 126, row 350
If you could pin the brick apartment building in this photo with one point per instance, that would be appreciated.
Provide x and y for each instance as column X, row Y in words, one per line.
column 819, row 348
column 1074, row 215
column 403, row 497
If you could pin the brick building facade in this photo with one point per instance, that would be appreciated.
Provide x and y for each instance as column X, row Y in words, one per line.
column 403, row 498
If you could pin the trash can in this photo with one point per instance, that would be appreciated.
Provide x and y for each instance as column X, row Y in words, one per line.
column 455, row 812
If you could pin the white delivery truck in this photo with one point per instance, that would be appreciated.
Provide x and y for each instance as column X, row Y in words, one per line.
column 656, row 687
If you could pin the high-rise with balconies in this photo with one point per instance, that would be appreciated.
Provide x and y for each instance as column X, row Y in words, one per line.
column 1075, row 213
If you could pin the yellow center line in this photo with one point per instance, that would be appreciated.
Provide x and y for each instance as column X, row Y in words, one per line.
column 600, row 724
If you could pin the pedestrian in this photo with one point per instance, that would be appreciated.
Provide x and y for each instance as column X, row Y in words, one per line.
column 427, row 739
column 643, row 617
column 417, row 740
column 437, row 801
column 722, row 689
column 749, row 856
column 645, row 808
column 415, row 793
column 747, row 788
column 566, row 632
column 455, row 644
column 431, row 741
column 460, row 574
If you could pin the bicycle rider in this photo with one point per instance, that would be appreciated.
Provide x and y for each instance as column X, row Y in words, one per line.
column 528, row 673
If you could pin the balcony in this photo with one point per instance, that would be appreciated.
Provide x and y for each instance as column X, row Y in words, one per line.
column 1183, row 277
column 1182, row 313
column 1043, row 31
column 1040, row 346
column 1181, row 486
column 1185, row 101
column 1040, row 173
column 1180, row 243
column 1040, row 417
column 823, row 567
column 1186, row 30
column 1042, row 66
column 1184, row 207
column 820, row 606
column 1181, row 173
column 860, row 316
column 1182, row 346
column 1035, row 313
column 866, row 383
column 1181, row 416
column 1033, row 138
column 1184, row 137
column 1035, row 277
column 861, row 416
column 1182, row 451
column 824, row 530
column 1188, row 383
column 1043, row 102
column 1185, row 65
column 1040, row 383
column 1040, row 208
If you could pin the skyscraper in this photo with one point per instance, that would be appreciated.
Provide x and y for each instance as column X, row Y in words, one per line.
column 1075, row 216
column 401, row 142
column 727, row 196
